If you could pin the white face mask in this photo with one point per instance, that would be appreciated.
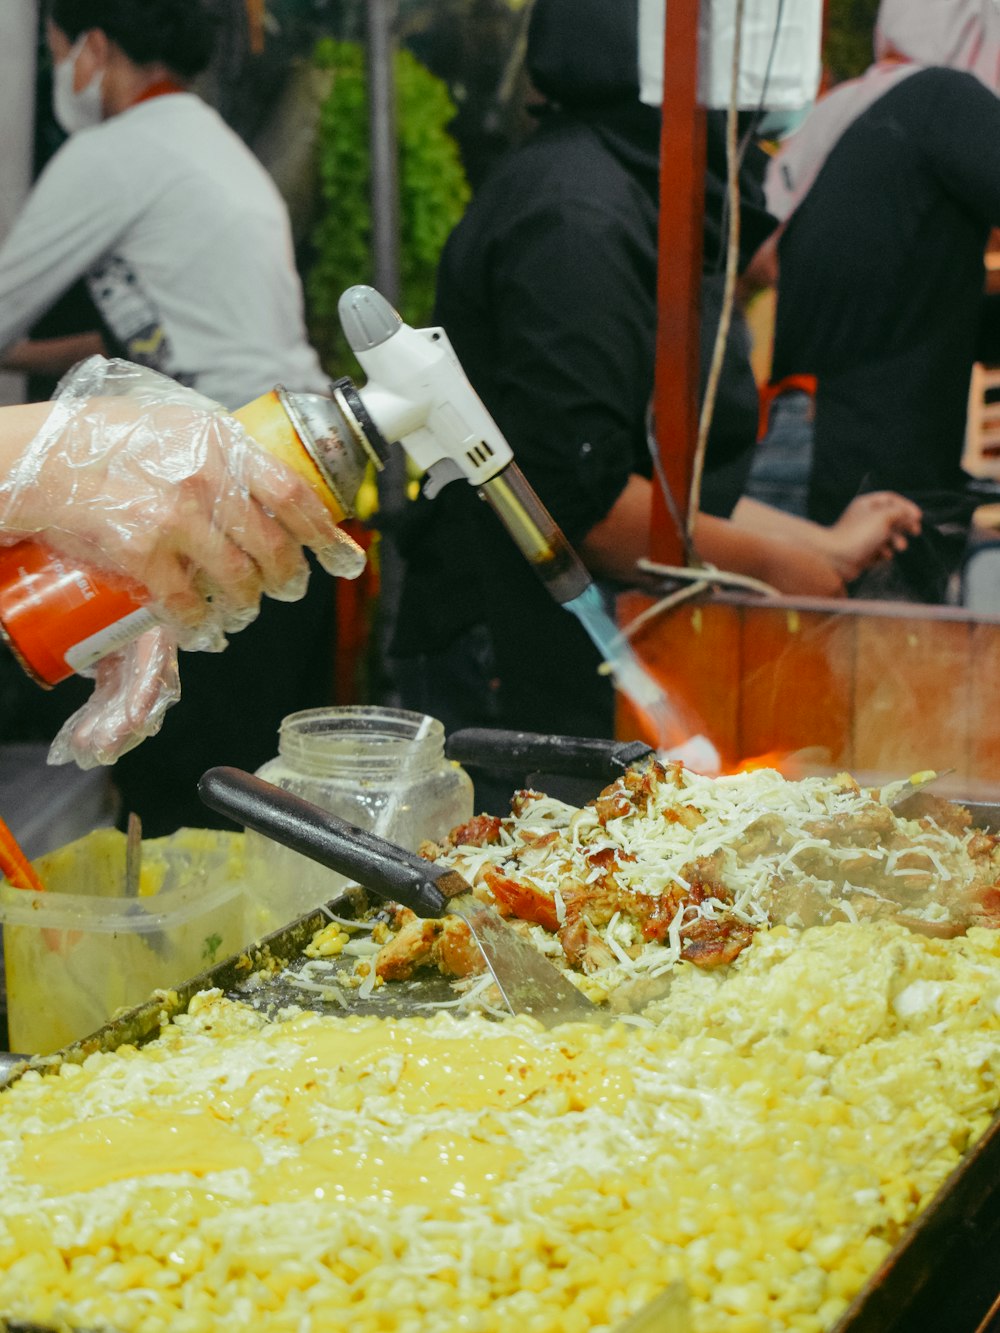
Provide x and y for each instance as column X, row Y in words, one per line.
column 76, row 110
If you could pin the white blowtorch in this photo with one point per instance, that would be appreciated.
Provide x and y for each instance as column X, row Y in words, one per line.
column 417, row 395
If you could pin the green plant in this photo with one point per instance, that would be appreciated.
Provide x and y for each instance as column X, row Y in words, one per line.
column 847, row 47
column 433, row 191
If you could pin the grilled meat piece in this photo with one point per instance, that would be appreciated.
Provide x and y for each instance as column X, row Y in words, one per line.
column 442, row 942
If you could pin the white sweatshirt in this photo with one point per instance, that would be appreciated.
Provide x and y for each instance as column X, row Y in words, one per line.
column 185, row 244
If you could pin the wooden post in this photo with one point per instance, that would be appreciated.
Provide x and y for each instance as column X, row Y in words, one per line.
column 682, row 207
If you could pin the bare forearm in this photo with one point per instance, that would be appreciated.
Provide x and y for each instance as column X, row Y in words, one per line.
column 871, row 529
column 788, row 565
column 757, row 517
column 51, row 356
column 612, row 547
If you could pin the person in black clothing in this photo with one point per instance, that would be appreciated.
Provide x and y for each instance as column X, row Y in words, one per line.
column 547, row 290
column 887, row 195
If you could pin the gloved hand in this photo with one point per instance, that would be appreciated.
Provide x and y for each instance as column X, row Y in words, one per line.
column 133, row 473
column 133, row 689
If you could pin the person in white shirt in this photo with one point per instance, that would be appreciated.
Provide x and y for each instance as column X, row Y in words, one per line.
column 180, row 234
column 185, row 245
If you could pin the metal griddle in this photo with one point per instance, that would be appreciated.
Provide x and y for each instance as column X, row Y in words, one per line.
column 942, row 1277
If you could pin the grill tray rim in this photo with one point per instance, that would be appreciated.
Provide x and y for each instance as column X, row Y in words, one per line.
column 926, row 1284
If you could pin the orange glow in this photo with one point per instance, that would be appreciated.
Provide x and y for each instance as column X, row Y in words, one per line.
column 788, row 763
column 662, row 730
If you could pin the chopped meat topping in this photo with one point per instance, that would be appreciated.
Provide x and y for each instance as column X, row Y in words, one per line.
column 665, row 866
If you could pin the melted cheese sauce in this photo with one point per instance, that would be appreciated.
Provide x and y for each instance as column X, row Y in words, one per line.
column 145, row 1143
column 439, row 1074
column 432, row 1173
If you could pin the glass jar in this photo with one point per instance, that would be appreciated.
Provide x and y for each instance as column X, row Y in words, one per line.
column 383, row 769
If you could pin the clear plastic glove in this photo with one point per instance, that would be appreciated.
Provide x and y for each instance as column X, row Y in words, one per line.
column 137, row 475
column 133, row 690
column 133, row 473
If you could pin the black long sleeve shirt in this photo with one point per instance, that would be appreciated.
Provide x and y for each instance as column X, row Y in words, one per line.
column 881, row 280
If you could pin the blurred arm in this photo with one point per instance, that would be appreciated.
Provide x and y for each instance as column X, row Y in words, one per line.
column 51, row 356
column 612, row 547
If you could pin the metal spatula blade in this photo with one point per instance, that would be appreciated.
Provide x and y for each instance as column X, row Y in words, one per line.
column 913, row 785
column 527, row 981
column 669, row 1312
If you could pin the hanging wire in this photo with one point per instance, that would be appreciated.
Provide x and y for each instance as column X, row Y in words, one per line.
column 510, row 76
column 758, row 112
column 690, row 554
column 732, row 269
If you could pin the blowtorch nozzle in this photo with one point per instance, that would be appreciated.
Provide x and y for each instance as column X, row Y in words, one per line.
column 536, row 534
column 367, row 318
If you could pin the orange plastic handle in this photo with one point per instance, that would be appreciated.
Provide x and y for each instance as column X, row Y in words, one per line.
column 15, row 865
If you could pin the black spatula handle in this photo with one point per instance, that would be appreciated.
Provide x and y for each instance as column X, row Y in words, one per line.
column 387, row 871
column 524, row 751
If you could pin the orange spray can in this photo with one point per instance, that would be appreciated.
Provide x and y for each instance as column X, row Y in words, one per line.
column 59, row 618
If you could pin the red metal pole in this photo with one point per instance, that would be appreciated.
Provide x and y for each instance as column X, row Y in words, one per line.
column 682, row 205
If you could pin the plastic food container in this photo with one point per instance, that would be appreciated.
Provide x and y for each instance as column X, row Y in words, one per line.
column 81, row 950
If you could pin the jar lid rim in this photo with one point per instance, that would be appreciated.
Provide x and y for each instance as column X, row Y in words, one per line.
column 341, row 716
column 372, row 738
